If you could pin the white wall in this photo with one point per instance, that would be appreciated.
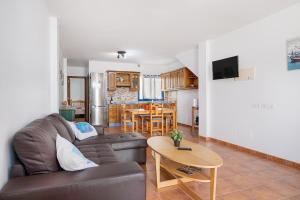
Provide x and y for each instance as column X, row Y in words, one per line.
column 64, row 92
column 78, row 71
column 102, row 66
column 157, row 69
column 24, row 70
column 203, row 100
column 54, row 58
column 189, row 59
column 262, row 114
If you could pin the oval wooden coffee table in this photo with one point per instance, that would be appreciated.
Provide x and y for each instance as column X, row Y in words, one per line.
column 169, row 158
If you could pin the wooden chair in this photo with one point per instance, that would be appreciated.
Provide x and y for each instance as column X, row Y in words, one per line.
column 141, row 117
column 168, row 118
column 126, row 119
column 155, row 122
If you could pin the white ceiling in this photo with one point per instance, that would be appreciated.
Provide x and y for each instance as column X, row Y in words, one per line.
column 151, row 31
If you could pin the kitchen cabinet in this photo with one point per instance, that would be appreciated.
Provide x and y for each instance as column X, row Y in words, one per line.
column 123, row 79
column 111, row 81
column 163, row 82
column 173, row 80
column 181, row 79
column 134, row 81
column 114, row 114
column 168, row 81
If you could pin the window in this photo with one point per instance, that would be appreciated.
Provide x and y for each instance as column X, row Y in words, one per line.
column 150, row 87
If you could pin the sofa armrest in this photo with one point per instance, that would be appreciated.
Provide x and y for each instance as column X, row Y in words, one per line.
column 108, row 182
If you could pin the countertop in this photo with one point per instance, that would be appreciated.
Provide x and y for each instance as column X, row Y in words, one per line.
column 140, row 102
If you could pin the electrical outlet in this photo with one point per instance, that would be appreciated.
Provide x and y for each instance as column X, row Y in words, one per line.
column 246, row 74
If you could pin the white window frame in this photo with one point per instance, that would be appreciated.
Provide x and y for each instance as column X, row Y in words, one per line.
column 150, row 87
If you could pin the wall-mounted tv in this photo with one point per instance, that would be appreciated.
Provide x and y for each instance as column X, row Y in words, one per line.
column 226, row 68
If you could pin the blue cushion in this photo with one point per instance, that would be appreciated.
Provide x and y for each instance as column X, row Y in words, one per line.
column 84, row 127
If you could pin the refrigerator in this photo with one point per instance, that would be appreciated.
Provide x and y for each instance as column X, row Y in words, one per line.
column 98, row 104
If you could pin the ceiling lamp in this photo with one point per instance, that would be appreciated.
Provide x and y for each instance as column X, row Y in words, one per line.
column 121, row 54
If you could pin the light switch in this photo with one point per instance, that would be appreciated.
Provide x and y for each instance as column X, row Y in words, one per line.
column 246, row 74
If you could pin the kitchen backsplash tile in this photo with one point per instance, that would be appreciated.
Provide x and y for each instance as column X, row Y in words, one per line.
column 122, row 94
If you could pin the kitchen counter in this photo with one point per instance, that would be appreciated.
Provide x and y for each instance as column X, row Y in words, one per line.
column 114, row 110
column 140, row 102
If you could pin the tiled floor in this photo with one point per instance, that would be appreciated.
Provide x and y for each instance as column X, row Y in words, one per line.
column 242, row 177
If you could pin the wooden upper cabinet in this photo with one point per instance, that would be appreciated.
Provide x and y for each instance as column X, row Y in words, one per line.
column 173, row 82
column 112, row 81
column 163, row 82
column 168, row 81
column 134, row 81
column 123, row 79
column 181, row 79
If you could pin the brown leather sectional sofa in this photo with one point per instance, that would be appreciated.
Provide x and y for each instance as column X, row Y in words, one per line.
column 38, row 176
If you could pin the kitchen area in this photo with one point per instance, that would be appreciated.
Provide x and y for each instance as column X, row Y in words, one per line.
column 115, row 97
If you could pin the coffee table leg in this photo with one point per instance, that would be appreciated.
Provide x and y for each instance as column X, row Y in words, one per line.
column 157, row 167
column 213, row 183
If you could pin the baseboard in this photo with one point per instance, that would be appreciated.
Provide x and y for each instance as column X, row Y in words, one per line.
column 185, row 125
column 254, row 152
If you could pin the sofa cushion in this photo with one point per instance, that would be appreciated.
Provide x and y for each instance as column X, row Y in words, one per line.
column 69, row 156
column 35, row 147
column 98, row 153
column 62, row 126
column 81, row 135
column 117, row 141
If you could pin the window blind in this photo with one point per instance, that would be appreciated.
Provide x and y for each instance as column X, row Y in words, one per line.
column 150, row 87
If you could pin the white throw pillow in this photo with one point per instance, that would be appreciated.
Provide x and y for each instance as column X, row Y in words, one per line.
column 80, row 135
column 69, row 156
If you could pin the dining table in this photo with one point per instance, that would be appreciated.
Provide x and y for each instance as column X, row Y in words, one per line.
column 140, row 111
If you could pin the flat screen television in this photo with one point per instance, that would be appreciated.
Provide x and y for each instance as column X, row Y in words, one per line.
column 226, row 68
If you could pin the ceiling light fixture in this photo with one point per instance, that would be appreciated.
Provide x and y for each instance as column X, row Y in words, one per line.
column 121, row 54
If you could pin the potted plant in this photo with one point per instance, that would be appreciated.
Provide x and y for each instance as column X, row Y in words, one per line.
column 176, row 136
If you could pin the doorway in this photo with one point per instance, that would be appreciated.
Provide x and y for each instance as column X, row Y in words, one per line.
column 78, row 96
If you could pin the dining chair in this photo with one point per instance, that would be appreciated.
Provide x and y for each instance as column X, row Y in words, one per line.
column 169, row 123
column 126, row 119
column 155, row 121
column 141, row 117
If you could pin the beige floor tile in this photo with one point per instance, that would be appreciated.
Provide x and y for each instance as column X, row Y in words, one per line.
column 242, row 177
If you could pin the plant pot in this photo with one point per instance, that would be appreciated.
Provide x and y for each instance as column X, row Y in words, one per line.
column 176, row 143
